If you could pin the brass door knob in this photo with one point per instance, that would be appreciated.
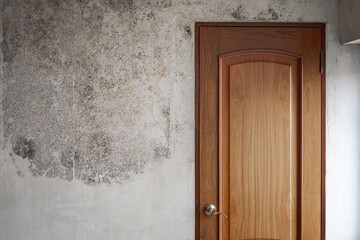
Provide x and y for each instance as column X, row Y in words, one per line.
column 210, row 210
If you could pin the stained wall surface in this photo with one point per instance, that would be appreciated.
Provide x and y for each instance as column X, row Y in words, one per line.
column 97, row 115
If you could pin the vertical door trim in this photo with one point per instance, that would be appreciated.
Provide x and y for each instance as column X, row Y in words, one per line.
column 198, row 25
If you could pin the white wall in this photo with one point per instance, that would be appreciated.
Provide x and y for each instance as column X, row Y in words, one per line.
column 343, row 152
column 157, row 203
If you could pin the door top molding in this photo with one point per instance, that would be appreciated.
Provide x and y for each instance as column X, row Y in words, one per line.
column 259, row 51
column 261, row 24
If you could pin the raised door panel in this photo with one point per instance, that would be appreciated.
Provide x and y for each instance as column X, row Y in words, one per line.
column 260, row 145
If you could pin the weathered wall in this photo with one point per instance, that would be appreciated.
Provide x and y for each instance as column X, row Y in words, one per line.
column 97, row 118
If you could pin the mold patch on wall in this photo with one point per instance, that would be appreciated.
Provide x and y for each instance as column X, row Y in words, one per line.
column 82, row 99
column 271, row 11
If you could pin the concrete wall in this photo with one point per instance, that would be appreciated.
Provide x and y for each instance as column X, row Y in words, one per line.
column 349, row 21
column 97, row 116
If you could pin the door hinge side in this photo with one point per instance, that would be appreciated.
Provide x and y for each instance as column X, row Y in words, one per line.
column 321, row 62
column 198, row 209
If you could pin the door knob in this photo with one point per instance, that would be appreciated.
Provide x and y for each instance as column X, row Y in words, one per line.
column 210, row 210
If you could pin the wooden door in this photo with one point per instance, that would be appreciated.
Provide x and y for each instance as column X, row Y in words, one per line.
column 260, row 131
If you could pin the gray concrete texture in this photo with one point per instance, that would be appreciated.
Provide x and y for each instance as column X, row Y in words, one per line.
column 97, row 113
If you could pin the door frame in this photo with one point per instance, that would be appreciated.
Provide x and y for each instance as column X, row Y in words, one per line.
column 198, row 25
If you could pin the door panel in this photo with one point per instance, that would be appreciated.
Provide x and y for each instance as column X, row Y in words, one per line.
column 259, row 106
column 259, row 131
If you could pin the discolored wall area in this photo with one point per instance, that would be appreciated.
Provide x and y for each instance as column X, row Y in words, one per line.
column 97, row 115
column 92, row 100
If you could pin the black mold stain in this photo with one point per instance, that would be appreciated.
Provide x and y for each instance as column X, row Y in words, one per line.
column 274, row 15
column 35, row 31
column 19, row 173
column 52, row 172
column 38, row 167
column 9, row 49
column 87, row 94
column 162, row 152
column 10, row 45
column 120, row 5
column 24, row 148
column 100, row 145
column 150, row 16
column 66, row 160
column 240, row 13
column 166, row 114
column 164, row 3
column 61, row 44
column 188, row 30
column 94, row 17
column 271, row 14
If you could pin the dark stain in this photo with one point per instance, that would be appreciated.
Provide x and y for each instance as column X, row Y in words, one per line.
column 9, row 50
column 10, row 44
column 188, row 30
column 107, row 83
column 66, row 159
column 32, row 28
column 55, row 3
column 38, row 167
column 166, row 114
column 76, row 156
column 120, row 5
column 52, row 172
column 24, row 148
column 240, row 13
column 59, row 35
column 274, row 15
column 150, row 16
column 162, row 152
column 165, row 3
column 94, row 18
column 91, row 158
column 83, row 2
column 271, row 14
column 87, row 94
column 19, row 173
column 99, row 140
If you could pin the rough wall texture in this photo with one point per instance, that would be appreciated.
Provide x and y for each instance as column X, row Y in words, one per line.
column 99, row 92
column 92, row 100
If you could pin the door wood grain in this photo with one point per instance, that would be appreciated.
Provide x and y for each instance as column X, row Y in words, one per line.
column 258, row 115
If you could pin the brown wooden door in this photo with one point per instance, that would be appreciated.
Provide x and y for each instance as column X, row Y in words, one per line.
column 260, row 132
